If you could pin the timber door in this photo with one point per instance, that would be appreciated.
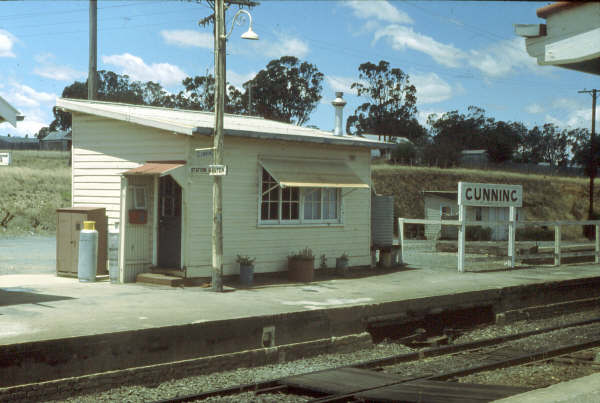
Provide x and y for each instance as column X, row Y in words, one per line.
column 169, row 224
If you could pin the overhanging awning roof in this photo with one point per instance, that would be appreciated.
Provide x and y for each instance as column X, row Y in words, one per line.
column 312, row 173
column 161, row 168
column 8, row 113
column 155, row 168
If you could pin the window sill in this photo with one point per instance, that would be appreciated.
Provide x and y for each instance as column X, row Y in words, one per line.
column 321, row 225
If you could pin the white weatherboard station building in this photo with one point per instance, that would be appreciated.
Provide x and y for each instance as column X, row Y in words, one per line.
column 287, row 187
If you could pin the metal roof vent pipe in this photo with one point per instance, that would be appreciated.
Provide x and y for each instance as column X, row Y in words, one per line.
column 338, row 103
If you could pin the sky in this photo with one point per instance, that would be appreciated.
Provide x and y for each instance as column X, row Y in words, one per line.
column 456, row 54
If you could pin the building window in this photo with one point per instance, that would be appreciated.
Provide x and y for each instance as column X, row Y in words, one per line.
column 446, row 211
column 295, row 205
column 478, row 213
column 139, row 197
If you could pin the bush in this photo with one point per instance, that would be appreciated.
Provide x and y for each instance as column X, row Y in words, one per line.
column 478, row 233
column 404, row 153
column 534, row 234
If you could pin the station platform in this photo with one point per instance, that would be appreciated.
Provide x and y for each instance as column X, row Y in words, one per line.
column 53, row 327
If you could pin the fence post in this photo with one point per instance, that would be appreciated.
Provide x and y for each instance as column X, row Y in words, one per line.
column 461, row 238
column 401, row 233
column 557, row 244
column 597, row 255
column 512, row 215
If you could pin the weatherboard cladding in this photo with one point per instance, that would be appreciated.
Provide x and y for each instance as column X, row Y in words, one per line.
column 103, row 149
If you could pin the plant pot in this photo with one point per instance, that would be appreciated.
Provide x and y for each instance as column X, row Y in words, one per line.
column 386, row 259
column 341, row 266
column 301, row 270
column 246, row 274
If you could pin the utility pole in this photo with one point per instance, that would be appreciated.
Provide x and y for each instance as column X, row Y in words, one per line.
column 93, row 50
column 220, row 80
column 592, row 151
column 218, row 18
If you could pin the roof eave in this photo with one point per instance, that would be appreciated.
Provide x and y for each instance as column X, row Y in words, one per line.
column 296, row 138
column 66, row 105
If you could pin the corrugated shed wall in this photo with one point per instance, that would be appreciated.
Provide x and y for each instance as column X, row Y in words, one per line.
column 140, row 237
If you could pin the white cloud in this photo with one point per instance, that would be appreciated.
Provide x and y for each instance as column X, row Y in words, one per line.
column 7, row 40
column 59, row 73
column 49, row 69
column 534, row 108
column 565, row 103
column 35, row 119
column 23, row 96
column 343, row 84
column 380, row 10
column 237, row 80
column 137, row 69
column 431, row 88
column 401, row 37
column 423, row 115
column 287, row 46
column 188, row 38
column 503, row 58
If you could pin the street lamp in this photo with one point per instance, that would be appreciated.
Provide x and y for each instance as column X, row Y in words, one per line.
column 220, row 82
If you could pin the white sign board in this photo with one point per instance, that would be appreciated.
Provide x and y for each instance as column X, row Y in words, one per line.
column 213, row 170
column 199, row 170
column 489, row 195
column 217, row 170
column 4, row 158
column 205, row 153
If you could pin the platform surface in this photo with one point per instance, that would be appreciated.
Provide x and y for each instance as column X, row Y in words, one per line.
column 42, row 306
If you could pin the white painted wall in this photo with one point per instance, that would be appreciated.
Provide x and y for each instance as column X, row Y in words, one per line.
column 271, row 245
column 104, row 148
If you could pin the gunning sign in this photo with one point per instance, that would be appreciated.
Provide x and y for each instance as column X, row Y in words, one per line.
column 491, row 195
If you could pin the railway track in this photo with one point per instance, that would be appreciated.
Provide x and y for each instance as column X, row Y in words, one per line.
column 422, row 375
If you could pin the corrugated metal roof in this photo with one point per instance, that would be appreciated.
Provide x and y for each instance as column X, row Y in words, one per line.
column 58, row 135
column 155, row 168
column 196, row 122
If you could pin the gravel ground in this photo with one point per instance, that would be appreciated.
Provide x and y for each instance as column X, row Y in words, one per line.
column 191, row 385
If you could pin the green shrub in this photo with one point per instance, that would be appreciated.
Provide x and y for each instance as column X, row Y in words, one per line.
column 404, row 153
column 478, row 233
column 534, row 234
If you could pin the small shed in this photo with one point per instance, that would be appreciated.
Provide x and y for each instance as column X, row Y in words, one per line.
column 287, row 187
column 440, row 205
column 59, row 140
column 476, row 158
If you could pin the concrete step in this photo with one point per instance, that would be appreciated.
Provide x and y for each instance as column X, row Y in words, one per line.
column 160, row 279
column 167, row 271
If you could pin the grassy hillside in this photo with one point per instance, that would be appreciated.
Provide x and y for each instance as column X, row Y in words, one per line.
column 547, row 197
column 38, row 182
column 32, row 188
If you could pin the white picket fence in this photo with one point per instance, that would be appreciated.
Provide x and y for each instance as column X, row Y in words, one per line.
column 512, row 226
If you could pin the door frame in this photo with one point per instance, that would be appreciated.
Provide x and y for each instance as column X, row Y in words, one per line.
column 155, row 222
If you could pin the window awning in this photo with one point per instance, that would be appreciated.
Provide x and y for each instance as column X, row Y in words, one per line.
column 312, row 173
column 174, row 168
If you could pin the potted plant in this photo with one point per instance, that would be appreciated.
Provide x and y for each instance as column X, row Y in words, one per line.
column 301, row 266
column 341, row 264
column 246, row 269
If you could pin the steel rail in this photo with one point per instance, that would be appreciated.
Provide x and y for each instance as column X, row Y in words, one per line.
column 380, row 362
